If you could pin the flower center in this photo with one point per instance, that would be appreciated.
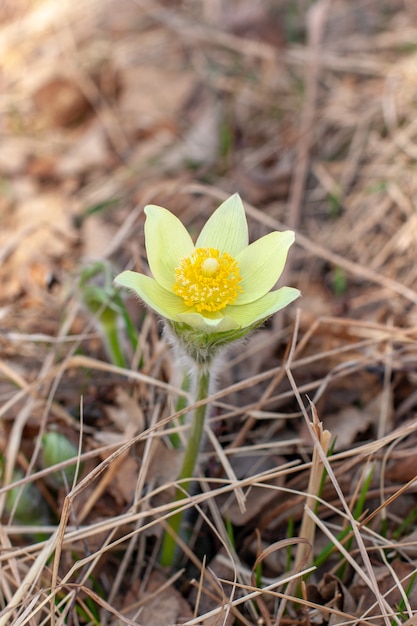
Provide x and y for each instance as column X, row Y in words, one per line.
column 208, row 280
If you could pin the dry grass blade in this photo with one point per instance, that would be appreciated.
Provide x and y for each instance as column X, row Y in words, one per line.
column 304, row 556
column 309, row 114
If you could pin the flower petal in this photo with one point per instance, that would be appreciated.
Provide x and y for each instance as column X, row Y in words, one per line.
column 167, row 241
column 248, row 314
column 261, row 264
column 159, row 299
column 227, row 229
column 208, row 324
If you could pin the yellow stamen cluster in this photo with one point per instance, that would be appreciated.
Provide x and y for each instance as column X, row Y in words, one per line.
column 208, row 280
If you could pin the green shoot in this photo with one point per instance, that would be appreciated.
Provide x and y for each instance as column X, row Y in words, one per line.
column 103, row 300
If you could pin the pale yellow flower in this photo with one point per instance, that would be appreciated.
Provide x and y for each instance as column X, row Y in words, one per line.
column 219, row 284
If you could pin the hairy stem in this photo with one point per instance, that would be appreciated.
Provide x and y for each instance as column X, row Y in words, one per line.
column 190, row 458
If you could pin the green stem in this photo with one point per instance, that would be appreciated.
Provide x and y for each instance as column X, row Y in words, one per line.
column 113, row 344
column 179, row 405
column 188, row 464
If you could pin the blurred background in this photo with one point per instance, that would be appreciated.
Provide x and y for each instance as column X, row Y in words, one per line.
column 309, row 111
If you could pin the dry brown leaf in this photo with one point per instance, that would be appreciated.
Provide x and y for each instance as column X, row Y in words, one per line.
column 46, row 227
column 316, row 302
column 262, row 183
column 15, row 153
column 346, row 425
column 201, row 141
column 123, row 484
column 410, row 544
column 125, row 413
column 402, row 465
column 164, row 464
column 349, row 423
column 61, row 102
column 151, row 99
column 387, row 586
column 36, row 233
column 89, row 151
column 330, row 592
column 158, row 607
column 210, row 594
column 256, row 497
column 255, row 21
column 97, row 235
